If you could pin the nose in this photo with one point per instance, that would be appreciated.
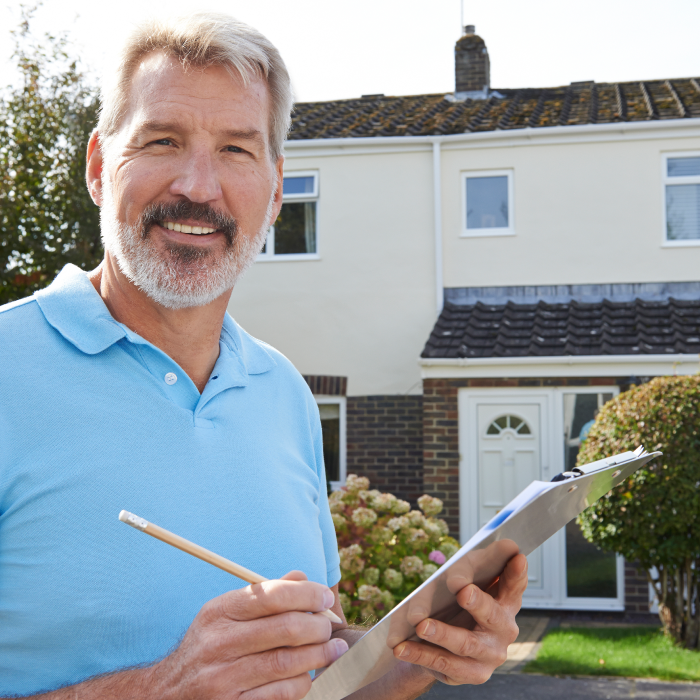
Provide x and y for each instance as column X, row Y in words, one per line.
column 198, row 180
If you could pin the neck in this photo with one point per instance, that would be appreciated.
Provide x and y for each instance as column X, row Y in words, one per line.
column 189, row 336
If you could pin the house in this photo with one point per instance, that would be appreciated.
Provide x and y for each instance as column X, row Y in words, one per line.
column 464, row 279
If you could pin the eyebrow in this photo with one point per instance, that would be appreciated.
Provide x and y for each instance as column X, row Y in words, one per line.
column 242, row 134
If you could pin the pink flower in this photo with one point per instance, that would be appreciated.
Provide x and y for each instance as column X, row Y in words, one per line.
column 437, row 556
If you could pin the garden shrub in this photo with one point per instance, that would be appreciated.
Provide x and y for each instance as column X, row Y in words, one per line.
column 386, row 549
column 654, row 516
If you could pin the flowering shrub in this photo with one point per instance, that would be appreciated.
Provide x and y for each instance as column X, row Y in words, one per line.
column 386, row 549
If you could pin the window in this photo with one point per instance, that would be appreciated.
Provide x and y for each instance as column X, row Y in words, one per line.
column 682, row 199
column 332, row 411
column 294, row 234
column 487, row 203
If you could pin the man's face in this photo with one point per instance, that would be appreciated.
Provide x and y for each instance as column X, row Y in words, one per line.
column 188, row 188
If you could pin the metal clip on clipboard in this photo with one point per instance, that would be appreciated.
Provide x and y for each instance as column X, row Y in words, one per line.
column 524, row 524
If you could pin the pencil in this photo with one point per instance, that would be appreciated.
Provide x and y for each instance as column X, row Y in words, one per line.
column 204, row 554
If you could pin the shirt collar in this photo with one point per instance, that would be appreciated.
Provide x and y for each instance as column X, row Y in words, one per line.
column 74, row 308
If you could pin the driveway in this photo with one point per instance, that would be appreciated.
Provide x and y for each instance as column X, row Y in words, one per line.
column 533, row 687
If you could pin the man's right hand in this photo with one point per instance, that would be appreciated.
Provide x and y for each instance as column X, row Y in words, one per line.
column 254, row 643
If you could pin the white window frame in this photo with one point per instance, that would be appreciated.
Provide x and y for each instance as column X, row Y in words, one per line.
column 666, row 180
column 269, row 255
column 342, row 438
column 481, row 232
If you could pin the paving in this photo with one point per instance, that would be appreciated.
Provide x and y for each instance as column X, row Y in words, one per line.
column 535, row 687
column 508, row 683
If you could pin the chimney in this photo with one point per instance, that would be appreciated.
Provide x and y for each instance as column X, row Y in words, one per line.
column 472, row 70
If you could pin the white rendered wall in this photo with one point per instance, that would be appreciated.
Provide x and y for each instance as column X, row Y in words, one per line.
column 588, row 209
column 365, row 309
column 584, row 213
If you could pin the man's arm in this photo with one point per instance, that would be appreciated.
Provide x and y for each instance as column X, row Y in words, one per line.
column 450, row 653
column 256, row 643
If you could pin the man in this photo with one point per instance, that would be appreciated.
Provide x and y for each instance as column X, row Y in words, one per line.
column 131, row 388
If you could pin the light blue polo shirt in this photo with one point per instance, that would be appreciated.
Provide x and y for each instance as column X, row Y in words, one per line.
column 90, row 426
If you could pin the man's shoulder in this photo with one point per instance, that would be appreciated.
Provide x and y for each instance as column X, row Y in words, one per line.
column 19, row 315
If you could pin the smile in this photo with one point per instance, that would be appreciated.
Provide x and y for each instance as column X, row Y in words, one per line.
column 197, row 230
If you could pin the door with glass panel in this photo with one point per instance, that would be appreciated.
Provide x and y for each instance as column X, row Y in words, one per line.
column 591, row 574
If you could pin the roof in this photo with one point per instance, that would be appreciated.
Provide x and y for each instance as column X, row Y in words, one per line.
column 557, row 325
column 432, row 115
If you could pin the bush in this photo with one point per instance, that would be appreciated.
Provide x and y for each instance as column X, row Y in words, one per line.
column 386, row 549
column 47, row 218
column 654, row 516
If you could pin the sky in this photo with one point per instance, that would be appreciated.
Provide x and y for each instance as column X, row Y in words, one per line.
column 339, row 50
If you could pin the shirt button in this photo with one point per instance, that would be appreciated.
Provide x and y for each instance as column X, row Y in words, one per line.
column 170, row 378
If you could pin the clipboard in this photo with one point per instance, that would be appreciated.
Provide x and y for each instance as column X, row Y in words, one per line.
column 524, row 524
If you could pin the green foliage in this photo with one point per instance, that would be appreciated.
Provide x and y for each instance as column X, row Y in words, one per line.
column 634, row 652
column 386, row 549
column 654, row 516
column 47, row 218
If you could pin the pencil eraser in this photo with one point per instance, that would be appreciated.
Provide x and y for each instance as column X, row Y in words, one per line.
column 133, row 520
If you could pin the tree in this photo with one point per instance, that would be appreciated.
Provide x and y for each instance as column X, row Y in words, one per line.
column 47, row 218
column 654, row 516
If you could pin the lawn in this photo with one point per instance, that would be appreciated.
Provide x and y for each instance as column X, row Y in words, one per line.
column 637, row 652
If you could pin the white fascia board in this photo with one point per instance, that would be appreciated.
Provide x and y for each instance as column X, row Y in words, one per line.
column 560, row 366
column 675, row 128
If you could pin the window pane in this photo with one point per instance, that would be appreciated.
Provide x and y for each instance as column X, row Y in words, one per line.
column 330, row 427
column 298, row 185
column 295, row 228
column 682, row 212
column 683, row 167
column 590, row 572
column 487, row 202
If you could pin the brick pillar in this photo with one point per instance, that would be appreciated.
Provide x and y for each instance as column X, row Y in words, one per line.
column 636, row 589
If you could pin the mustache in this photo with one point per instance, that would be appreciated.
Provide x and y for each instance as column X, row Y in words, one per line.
column 168, row 211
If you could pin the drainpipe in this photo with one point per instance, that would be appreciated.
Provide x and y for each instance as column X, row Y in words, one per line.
column 437, row 223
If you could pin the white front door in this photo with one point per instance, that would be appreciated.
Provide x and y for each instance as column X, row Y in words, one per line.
column 505, row 445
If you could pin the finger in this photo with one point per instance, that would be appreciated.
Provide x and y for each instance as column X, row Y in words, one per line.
column 512, row 583
column 285, row 662
column 272, row 598
column 460, row 642
column 293, row 629
column 487, row 613
column 448, row 667
column 288, row 689
column 295, row 576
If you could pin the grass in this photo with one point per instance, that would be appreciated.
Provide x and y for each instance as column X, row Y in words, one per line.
column 636, row 652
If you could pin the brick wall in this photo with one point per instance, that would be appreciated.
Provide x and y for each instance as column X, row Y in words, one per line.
column 636, row 589
column 385, row 443
column 472, row 67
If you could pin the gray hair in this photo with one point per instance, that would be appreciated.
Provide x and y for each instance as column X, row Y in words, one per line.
column 201, row 40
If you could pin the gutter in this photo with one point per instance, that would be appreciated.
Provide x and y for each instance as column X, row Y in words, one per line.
column 559, row 366
column 559, row 360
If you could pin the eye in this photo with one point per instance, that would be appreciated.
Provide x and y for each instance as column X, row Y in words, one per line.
column 234, row 149
column 162, row 142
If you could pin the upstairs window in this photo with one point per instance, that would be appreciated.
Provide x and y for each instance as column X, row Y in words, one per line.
column 294, row 234
column 682, row 198
column 487, row 203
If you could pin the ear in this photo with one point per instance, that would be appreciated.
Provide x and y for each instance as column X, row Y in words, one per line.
column 279, row 178
column 93, row 168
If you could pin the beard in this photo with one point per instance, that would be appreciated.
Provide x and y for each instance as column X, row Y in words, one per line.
column 176, row 275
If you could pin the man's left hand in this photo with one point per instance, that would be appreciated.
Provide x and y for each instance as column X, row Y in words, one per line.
column 455, row 655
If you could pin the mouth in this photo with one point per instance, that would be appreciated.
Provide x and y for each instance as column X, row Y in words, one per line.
column 184, row 228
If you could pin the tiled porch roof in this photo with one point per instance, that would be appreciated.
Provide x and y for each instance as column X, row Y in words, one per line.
column 429, row 115
column 569, row 327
